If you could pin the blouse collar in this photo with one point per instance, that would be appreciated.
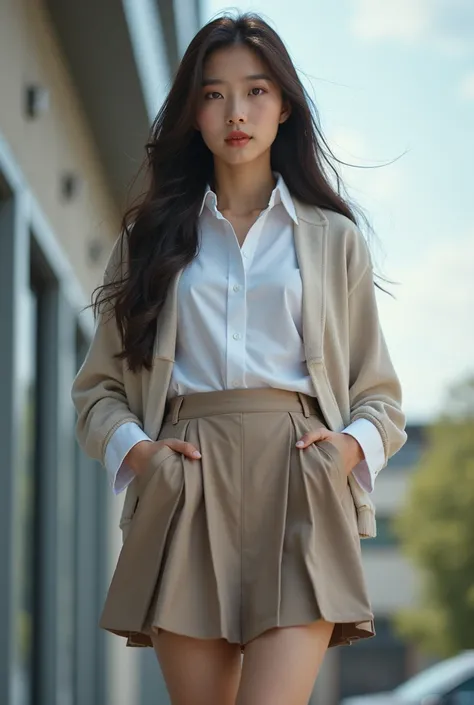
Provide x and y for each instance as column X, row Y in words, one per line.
column 280, row 194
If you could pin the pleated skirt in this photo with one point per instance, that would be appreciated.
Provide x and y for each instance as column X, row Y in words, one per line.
column 256, row 534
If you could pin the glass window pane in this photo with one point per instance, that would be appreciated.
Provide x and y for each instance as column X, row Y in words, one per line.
column 463, row 694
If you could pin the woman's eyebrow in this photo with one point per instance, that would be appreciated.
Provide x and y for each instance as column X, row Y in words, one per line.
column 220, row 81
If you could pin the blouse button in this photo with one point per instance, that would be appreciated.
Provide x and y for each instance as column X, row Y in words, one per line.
column 237, row 336
column 236, row 287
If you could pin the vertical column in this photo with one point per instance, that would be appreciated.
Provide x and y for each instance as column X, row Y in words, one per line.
column 56, row 368
column 90, row 496
column 13, row 279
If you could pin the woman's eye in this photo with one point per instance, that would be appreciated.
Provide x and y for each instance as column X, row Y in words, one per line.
column 215, row 95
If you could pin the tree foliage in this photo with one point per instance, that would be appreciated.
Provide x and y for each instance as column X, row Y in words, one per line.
column 436, row 529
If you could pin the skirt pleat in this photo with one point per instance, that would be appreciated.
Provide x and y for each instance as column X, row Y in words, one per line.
column 256, row 534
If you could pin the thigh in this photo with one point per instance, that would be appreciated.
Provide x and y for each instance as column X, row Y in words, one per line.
column 281, row 666
column 198, row 671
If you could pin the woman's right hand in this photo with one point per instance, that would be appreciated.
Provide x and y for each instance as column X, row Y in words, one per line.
column 137, row 458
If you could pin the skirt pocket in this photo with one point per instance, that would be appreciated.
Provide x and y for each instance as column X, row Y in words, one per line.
column 321, row 506
column 159, row 458
column 334, row 458
column 160, row 492
column 327, row 454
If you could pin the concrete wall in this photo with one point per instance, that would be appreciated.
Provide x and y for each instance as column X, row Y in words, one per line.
column 56, row 142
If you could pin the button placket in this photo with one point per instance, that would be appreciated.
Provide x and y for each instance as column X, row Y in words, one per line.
column 236, row 319
column 249, row 247
column 240, row 261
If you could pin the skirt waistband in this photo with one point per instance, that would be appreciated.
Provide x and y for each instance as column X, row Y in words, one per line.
column 230, row 401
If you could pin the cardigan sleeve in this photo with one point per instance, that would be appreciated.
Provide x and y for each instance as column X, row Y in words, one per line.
column 98, row 391
column 374, row 388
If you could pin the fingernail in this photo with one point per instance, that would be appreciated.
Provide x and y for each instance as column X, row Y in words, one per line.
column 196, row 454
column 300, row 444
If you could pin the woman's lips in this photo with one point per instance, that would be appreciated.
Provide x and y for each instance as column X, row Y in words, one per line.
column 237, row 140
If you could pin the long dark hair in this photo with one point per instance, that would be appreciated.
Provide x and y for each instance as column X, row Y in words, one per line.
column 160, row 231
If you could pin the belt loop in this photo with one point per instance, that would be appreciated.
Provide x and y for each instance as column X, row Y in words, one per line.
column 176, row 407
column 304, row 404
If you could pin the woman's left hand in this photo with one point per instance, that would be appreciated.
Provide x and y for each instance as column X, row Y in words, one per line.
column 347, row 445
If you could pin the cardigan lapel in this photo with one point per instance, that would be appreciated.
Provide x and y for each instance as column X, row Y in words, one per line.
column 167, row 324
column 163, row 359
column 310, row 237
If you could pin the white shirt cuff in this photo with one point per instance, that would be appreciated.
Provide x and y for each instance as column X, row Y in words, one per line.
column 121, row 442
column 371, row 443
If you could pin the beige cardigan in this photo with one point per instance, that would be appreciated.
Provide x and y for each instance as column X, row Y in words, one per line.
column 346, row 354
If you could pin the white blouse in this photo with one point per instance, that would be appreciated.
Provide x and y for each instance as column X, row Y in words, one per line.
column 240, row 325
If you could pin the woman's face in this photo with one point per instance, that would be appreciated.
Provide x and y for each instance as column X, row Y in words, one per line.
column 239, row 96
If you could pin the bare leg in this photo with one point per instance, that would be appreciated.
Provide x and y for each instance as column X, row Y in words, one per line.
column 198, row 671
column 281, row 666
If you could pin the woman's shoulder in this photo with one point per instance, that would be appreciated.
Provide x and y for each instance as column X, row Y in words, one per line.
column 345, row 242
column 339, row 225
column 342, row 233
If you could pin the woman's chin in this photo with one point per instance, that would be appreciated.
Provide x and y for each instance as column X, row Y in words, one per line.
column 232, row 157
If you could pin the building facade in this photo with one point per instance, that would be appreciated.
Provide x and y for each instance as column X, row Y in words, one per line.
column 80, row 84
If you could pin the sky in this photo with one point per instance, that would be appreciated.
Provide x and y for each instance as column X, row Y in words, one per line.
column 394, row 80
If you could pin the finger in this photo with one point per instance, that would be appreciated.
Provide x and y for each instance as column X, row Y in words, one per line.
column 183, row 447
column 320, row 435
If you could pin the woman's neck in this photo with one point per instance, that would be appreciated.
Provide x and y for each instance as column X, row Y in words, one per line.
column 243, row 190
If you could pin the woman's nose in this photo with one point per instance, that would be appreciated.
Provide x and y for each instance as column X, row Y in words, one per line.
column 236, row 114
column 236, row 120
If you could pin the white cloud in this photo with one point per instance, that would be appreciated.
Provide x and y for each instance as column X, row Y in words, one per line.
column 406, row 19
column 429, row 326
column 447, row 24
column 466, row 87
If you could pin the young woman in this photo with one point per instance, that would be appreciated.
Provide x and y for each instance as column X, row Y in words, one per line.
column 239, row 386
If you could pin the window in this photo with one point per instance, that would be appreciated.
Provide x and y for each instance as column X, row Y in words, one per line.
column 18, row 440
column 53, row 503
column 463, row 694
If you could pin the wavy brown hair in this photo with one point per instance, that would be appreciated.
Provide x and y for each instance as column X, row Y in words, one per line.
column 160, row 230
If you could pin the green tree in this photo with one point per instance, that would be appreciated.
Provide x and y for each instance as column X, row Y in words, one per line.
column 436, row 530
